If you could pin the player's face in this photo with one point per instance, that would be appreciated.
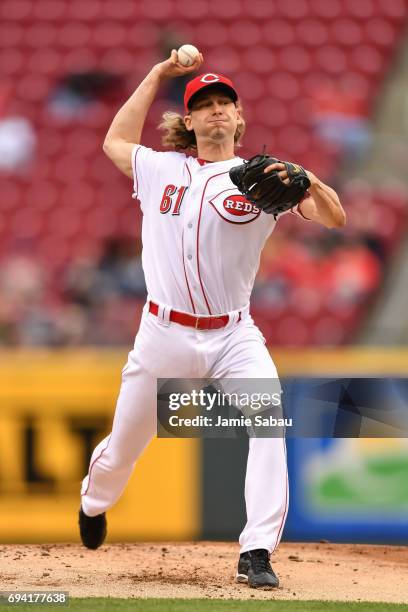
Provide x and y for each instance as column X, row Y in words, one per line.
column 213, row 116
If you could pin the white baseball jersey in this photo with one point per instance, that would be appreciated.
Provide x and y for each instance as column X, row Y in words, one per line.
column 201, row 247
column 202, row 239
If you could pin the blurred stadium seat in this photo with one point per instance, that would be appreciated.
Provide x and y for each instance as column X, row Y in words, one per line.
column 279, row 54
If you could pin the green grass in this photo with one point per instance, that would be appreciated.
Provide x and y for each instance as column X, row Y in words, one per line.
column 211, row 605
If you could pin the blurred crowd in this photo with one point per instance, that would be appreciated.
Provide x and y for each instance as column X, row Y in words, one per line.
column 98, row 300
column 70, row 254
column 334, row 270
column 90, row 301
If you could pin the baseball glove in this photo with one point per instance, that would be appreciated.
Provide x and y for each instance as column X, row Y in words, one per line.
column 267, row 190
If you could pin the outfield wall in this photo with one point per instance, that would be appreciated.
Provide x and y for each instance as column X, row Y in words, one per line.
column 55, row 407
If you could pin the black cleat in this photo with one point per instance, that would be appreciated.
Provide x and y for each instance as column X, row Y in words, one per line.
column 255, row 568
column 92, row 529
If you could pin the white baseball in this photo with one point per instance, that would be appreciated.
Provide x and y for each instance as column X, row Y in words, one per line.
column 187, row 54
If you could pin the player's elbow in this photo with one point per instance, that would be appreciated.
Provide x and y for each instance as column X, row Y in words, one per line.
column 338, row 220
column 341, row 219
column 107, row 147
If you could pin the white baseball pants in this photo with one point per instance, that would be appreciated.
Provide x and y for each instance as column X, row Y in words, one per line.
column 169, row 350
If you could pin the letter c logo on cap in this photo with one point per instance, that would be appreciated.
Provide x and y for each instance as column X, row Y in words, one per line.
column 210, row 78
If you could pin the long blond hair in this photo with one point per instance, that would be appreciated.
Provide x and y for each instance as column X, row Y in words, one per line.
column 176, row 136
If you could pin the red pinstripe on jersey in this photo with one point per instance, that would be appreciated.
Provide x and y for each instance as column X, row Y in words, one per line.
column 198, row 237
column 185, row 273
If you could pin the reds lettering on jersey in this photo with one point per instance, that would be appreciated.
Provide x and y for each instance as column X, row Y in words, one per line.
column 202, row 239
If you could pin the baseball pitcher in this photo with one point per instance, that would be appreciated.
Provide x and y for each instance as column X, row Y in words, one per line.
column 207, row 214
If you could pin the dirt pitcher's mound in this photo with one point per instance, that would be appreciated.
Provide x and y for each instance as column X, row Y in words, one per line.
column 207, row 570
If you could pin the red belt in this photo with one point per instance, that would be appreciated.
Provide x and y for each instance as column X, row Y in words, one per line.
column 183, row 318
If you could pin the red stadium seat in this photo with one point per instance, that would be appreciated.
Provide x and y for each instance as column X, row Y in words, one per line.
column 33, row 87
column 123, row 11
column 368, row 59
column 283, row 86
column 244, row 33
column 395, row 10
column 109, row 34
column 77, row 196
column 292, row 331
column 11, row 61
column 61, row 224
column 52, row 142
column 83, row 142
column 100, row 222
column 41, row 169
column 300, row 109
column 11, row 194
column 26, row 223
column 143, row 60
column 191, row 10
column 295, row 9
column 259, row 59
column 42, row 196
column 69, row 168
column 256, row 137
column 129, row 221
column 45, row 61
column 261, row 9
column 118, row 60
column 54, row 250
column 49, row 10
column 296, row 138
column 363, row 9
column 11, row 34
column 84, row 11
column 16, row 11
column 227, row 9
column 250, row 86
column 331, row 59
column 279, row 33
column 161, row 10
column 143, row 34
column 74, row 34
column 380, row 32
column 328, row 331
column 40, row 35
column 79, row 59
column 326, row 10
column 223, row 59
column 295, row 59
column 209, row 33
column 101, row 170
column 346, row 33
column 115, row 195
column 273, row 113
column 311, row 32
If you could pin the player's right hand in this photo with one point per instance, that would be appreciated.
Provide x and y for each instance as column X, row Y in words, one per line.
column 171, row 67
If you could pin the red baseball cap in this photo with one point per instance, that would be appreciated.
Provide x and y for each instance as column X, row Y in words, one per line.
column 208, row 80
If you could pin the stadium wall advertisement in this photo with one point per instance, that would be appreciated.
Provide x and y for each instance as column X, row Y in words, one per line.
column 56, row 406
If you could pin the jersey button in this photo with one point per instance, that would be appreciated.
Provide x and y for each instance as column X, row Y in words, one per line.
column 189, row 256
column 190, row 225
